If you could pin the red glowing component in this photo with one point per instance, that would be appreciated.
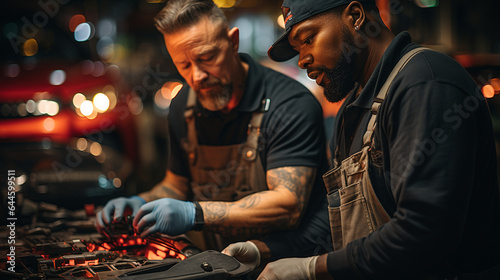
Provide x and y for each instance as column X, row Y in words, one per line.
column 152, row 256
column 92, row 262
column 91, row 247
column 161, row 254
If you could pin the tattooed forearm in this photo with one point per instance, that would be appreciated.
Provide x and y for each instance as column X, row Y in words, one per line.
column 249, row 201
column 298, row 180
column 278, row 208
column 215, row 212
column 217, row 220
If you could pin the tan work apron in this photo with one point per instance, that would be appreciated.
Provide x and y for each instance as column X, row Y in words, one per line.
column 223, row 173
column 353, row 206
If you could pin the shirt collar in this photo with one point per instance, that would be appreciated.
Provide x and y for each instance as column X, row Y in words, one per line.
column 400, row 45
column 254, row 86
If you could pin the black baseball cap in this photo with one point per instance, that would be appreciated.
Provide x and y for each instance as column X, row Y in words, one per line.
column 295, row 11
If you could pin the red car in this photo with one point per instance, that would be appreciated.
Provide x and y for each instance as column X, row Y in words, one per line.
column 67, row 122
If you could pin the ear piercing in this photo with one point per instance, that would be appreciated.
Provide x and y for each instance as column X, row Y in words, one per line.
column 356, row 27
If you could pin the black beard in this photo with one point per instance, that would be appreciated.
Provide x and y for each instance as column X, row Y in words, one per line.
column 341, row 77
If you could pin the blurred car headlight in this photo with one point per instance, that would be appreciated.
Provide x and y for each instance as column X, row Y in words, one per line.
column 43, row 107
column 89, row 106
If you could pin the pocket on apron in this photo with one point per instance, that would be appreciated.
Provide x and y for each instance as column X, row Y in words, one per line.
column 349, row 216
column 356, row 222
column 335, row 227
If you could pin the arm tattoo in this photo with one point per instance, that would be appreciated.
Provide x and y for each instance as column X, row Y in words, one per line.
column 298, row 180
column 249, row 201
column 216, row 212
column 216, row 216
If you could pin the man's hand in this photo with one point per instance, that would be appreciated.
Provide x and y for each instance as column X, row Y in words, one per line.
column 117, row 207
column 246, row 253
column 290, row 269
column 166, row 215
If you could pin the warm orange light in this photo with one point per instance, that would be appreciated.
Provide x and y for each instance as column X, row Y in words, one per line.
column 488, row 91
column 176, row 90
column 75, row 21
column 495, row 82
column 161, row 254
column 96, row 150
column 225, row 3
column 49, row 124
column 117, row 182
column 30, row 47
column 152, row 256
column 281, row 21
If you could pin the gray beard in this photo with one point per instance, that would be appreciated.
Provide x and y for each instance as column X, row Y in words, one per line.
column 217, row 99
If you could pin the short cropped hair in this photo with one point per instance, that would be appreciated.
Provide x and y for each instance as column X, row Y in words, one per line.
column 180, row 14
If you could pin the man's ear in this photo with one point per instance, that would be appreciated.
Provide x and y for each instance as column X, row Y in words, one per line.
column 355, row 15
column 234, row 35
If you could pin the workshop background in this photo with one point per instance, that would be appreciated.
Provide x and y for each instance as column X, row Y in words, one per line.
column 86, row 85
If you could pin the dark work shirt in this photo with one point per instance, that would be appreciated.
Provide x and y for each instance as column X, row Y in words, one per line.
column 291, row 134
column 291, row 131
column 438, row 163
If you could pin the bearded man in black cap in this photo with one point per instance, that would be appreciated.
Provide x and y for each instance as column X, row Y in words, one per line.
column 414, row 192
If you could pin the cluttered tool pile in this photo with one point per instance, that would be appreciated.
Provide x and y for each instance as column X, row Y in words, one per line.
column 63, row 244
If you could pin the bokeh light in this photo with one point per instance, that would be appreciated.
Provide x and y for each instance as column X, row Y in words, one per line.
column 81, row 144
column 75, row 21
column 488, row 91
column 495, row 83
column 427, row 3
column 78, row 100
column 57, row 77
column 95, row 149
column 30, row 47
column 281, row 21
column 225, row 3
column 49, row 124
column 87, row 108
column 84, row 32
column 12, row 70
column 101, row 102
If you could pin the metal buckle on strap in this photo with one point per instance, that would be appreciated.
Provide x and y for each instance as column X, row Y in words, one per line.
column 266, row 103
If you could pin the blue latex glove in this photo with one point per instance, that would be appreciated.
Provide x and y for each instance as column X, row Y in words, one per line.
column 166, row 215
column 117, row 207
